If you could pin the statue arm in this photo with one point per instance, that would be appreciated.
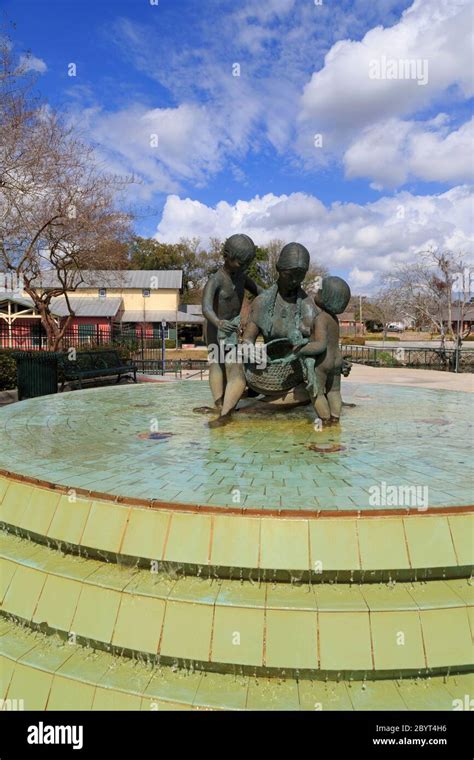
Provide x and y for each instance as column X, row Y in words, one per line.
column 252, row 286
column 318, row 342
column 208, row 301
column 252, row 330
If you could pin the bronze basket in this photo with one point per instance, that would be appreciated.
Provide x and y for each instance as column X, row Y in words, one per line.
column 276, row 378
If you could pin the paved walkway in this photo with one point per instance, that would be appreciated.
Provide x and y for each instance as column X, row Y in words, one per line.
column 433, row 344
column 422, row 378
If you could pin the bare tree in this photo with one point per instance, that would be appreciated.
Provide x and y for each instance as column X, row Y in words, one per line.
column 463, row 285
column 267, row 257
column 311, row 282
column 384, row 307
column 57, row 207
column 212, row 259
column 424, row 289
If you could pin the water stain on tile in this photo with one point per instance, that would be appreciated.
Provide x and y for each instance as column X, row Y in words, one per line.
column 332, row 449
column 154, row 436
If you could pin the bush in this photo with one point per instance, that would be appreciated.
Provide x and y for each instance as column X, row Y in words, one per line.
column 124, row 350
column 386, row 359
column 7, row 370
column 131, row 344
column 355, row 341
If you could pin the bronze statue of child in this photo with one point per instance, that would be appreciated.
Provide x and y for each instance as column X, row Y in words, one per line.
column 321, row 356
column 221, row 305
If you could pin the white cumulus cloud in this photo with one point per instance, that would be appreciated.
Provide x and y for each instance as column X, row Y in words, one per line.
column 394, row 151
column 358, row 241
column 163, row 146
column 430, row 50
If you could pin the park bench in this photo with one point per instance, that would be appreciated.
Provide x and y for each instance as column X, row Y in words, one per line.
column 94, row 364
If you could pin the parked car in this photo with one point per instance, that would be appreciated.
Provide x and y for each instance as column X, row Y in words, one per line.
column 395, row 327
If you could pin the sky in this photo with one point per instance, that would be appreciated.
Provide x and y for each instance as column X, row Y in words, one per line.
column 346, row 126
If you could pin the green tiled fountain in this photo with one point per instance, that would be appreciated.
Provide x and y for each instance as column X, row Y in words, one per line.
column 147, row 562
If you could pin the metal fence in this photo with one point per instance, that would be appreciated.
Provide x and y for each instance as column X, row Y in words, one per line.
column 178, row 367
column 417, row 358
column 448, row 359
column 34, row 338
column 144, row 350
column 147, row 351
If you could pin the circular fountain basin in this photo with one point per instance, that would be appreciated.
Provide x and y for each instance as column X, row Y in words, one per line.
column 145, row 442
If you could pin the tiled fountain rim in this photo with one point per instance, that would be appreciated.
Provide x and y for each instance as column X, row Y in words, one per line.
column 207, row 509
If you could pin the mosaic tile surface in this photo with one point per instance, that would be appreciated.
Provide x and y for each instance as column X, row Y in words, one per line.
column 99, row 439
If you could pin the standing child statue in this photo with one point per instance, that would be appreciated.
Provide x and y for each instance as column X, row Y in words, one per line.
column 221, row 305
column 321, row 356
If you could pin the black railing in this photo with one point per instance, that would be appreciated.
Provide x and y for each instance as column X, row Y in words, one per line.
column 172, row 366
column 146, row 352
column 31, row 338
column 447, row 359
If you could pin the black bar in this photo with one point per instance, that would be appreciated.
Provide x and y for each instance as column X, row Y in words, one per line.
column 331, row 734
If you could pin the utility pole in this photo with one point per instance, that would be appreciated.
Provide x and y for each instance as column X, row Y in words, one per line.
column 163, row 347
column 360, row 315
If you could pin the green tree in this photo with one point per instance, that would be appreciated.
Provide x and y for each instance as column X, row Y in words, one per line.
column 187, row 255
column 198, row 264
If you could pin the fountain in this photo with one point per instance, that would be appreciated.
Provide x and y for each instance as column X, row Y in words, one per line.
column 150, row 560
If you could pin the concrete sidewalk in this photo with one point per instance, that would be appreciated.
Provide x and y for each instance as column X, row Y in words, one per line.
column 419, row 378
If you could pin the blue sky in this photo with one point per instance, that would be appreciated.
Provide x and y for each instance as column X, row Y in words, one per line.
column 390, row 175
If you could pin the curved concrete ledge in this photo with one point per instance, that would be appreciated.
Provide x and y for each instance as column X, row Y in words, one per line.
column 74, row 493
column 366, row 548
column 217, row 625
column 41, row 673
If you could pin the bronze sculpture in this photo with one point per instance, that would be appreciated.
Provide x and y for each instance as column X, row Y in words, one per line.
column 322, row 356
column 300, row 332
column 283, row 316
column 222, row 302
